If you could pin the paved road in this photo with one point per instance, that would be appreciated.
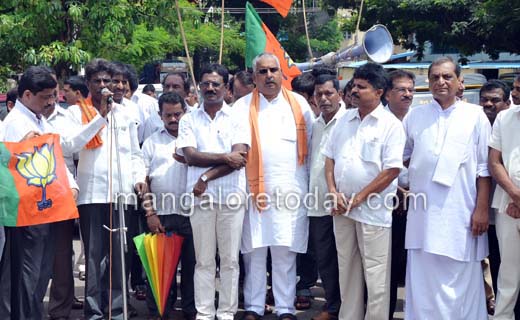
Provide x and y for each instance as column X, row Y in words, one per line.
column 177, row 315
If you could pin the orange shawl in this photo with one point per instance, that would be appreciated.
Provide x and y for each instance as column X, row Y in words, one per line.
column 88, row 112
column 254, row 167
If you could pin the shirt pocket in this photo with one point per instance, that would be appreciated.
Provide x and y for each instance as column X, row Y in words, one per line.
column 371, row 152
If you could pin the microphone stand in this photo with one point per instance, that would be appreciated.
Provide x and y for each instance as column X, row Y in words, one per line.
column 123, row 247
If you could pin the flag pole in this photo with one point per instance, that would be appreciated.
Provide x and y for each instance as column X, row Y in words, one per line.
column 221, row 34
column 190, row 65
column 306, row 30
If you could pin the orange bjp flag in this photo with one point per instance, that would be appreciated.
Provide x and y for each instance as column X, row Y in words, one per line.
column 34, row 186
column 282, row 6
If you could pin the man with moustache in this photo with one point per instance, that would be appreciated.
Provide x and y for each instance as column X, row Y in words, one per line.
column 166, row 176
column 321, row 227
column 446, row 238
column 99, row 179
column 399, row 95
column 515, row 92
column 494, row 98
column 363, row 160
column 214, row 144
column 173, row 82
column 280, row 125
column 29, row 250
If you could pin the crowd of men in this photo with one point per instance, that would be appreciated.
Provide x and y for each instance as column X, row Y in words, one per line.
column 350, row 185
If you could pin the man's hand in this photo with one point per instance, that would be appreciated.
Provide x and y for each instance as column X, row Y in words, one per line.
column 340, row 204
column 105, row 106
column 199, row 188
column 513, row 211
column 154, row 224
column 75, row 194
column 479, row 222
column 141, row 189
column 515, row 196
column 30, row 135
column 178, row 158
column 236, row 159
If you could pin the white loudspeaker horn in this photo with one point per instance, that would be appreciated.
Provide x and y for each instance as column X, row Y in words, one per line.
column 377, row 45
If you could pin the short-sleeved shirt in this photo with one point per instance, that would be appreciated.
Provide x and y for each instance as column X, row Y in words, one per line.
column 361, row 149
column 167, row 175
column 504, row 138
column 218, row 135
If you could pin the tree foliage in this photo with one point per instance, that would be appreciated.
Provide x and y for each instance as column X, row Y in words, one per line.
column 469, row 26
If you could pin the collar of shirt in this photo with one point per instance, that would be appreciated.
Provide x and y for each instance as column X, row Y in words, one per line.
column 376, row 113
column 57, row 110
column 226, row 110
column 341, row 111
column 165, row 132
column 446, row 111
column 37, row 118
column 516, row 109
column 273, row 101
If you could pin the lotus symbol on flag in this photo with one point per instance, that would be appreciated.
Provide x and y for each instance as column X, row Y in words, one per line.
column 39, row 168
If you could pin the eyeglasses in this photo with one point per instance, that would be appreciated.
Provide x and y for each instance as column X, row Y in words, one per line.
column 403, row 90
column 264, row 71
column 206, row 84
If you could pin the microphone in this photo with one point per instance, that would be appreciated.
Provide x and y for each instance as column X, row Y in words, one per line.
column 110, row 100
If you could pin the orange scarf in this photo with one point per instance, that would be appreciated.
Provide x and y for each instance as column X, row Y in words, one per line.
column 254, row 167
column 88, row 112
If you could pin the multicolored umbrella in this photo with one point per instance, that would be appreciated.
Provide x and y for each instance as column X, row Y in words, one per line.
column 159, row 254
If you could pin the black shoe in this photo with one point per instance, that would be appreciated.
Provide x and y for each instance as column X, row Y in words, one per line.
column 77, row 304
column 251, row 315
column 287, row 316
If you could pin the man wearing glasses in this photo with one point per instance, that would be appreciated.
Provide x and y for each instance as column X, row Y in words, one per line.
column 399, row 95
column 280, row 125
column 215, row 147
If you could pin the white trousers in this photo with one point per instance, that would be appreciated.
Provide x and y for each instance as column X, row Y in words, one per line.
column 220, row 228
column 508, row 234
column 441, row 288
column 284, row 279
column 363, row 258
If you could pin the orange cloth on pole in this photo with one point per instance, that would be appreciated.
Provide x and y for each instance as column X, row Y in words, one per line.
column 254, row 166
column 282, row 6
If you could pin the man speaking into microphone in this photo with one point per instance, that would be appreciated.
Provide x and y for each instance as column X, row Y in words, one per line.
column 116, row 145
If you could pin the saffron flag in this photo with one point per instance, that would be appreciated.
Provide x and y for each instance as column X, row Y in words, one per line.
column 34, row 187
column 260, row 39
column 282, row 6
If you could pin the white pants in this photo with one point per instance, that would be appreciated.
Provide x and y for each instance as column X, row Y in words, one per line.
column 441, row 288
column 508, row 234
column 220, row 228
column 363, row 257
column 284, row 279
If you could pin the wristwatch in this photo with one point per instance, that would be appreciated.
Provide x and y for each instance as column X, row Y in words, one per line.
column 204, row 178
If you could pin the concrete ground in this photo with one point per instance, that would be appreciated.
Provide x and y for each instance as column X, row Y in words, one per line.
column 317, row 303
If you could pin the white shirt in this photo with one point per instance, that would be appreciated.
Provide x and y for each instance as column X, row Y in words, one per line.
column 20, row 121
column 317, row 182
column 218, row 135
column 505, row 139
column 1, row 130
column 146, row 107
column 97, row 167
column 167, row 176
column 73, row 137
column 443, row 225
column 361, row 149
column 280, row 225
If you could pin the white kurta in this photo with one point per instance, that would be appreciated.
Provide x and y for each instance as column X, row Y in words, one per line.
column 443, row 226
column 281, row 224
column 444, row 277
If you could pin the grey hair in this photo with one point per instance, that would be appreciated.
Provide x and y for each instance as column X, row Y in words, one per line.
column 262, row 55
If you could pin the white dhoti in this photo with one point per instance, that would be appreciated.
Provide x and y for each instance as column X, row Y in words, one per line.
column 438, row 287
